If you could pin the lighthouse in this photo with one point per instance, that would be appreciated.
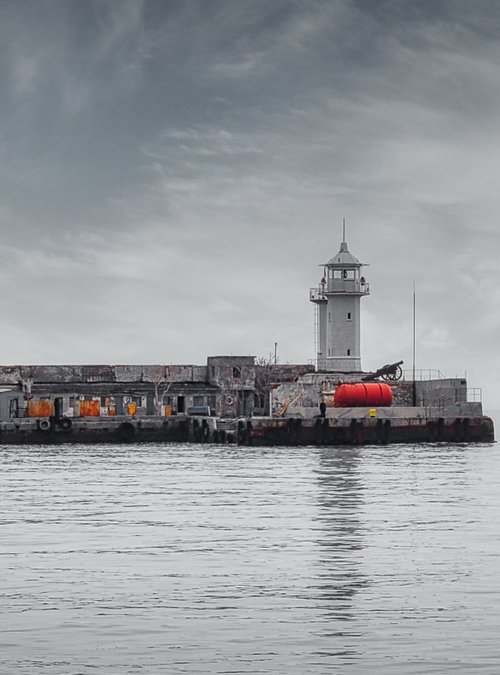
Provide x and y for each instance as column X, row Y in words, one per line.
column 337, row 312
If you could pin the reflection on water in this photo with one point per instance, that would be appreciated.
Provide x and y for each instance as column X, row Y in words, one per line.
column 207, row 559
column 340, row 535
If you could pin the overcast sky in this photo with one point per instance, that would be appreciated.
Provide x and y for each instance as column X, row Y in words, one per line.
column 173, row 173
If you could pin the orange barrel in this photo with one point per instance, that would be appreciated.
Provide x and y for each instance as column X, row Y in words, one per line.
column 359, row 395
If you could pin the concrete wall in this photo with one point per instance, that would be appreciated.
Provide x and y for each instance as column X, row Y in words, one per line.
column 363, row 413
column 232, row 379
column 5, row 398
column 442, row 392
column 102, row 373
column 449, row 394
column 231, row 372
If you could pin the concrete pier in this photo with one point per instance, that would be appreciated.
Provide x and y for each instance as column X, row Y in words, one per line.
column 118, row 429
column 362, row 430
column 355, row 429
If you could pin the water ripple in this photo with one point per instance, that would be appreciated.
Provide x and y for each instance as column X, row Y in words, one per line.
column 208, row 559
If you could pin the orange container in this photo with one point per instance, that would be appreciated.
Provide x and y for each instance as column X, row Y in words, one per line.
column 363, row 395
column 90, row 408
column 40, row 408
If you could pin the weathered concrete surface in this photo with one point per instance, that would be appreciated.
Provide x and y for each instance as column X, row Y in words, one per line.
column 102, row 373
column 119, row 429
column 302, row 397
column 467, row 409
column 225, row 371
column 229, row 385
column 250, row 431
column 363, row 430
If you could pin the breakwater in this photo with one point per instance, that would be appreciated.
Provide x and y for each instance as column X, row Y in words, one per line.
column 356, row 428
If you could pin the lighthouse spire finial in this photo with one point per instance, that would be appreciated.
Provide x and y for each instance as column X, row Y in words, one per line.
column 343, row 245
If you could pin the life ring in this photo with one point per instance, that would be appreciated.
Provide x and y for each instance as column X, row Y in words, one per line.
column 65, row 423
column 44, row 425
column 229, row 400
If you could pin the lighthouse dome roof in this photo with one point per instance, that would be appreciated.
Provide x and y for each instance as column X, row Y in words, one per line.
column 344, row 258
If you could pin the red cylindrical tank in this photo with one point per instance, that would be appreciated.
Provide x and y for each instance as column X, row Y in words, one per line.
column 362, row 394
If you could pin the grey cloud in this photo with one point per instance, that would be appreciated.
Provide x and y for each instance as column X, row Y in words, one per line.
column 173, row 172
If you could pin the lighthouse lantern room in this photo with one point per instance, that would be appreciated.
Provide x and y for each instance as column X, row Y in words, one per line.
column 337, row 312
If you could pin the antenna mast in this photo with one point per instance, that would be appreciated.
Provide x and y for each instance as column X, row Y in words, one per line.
column 414, row 346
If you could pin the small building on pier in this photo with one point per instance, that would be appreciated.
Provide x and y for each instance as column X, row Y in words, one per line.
column 227, row 386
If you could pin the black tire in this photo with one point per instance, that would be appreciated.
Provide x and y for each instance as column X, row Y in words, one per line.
column 65, row 423
column 44, row 425
column 126, row 431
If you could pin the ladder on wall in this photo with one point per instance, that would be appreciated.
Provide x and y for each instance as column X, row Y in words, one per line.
column 316, row 335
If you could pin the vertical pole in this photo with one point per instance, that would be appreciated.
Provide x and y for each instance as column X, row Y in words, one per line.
column 316, row 335
column 275, row 352
column 414, row 347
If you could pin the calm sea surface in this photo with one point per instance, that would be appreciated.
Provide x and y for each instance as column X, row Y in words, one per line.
column 210, row 559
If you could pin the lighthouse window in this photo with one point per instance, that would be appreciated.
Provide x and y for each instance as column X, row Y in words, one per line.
column 349, row 317
column 348, row 352
column 329, row 316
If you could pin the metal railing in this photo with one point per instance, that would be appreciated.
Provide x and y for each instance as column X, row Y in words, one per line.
column 423, row 374
column 474, row 395
column 339, row 287
column 317, row 295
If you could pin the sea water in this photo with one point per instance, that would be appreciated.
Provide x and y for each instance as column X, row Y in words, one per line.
column 220, row 559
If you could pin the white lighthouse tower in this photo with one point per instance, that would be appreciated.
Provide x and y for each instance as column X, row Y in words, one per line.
column 337, row 300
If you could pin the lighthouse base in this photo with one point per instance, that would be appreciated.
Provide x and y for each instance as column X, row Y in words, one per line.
column 339, row 364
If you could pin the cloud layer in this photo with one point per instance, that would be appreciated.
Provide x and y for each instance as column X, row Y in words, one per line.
column 173, row 173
